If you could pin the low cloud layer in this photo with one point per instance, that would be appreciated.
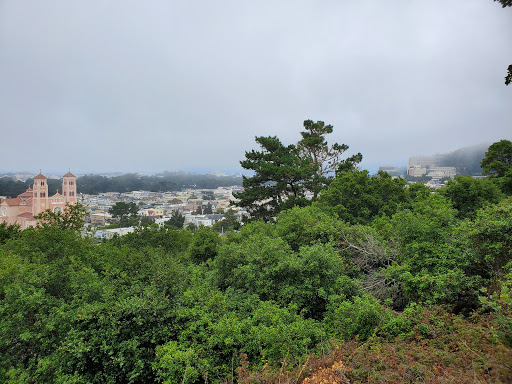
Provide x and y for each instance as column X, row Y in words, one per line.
column 149, row 86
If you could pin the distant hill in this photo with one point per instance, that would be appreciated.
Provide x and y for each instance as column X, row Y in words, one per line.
column 167, row 181
column 466, row 160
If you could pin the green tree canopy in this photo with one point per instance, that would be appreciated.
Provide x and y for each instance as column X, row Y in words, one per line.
column 279, row 179
column 122, row 211
column 284, row 176
column 8, row 232
column 357, row 198
column 208, row 209
column 176, row 220
column 468, row 194
column 325, row 160
column 497, row 164
column 229, row 222
column 203, row 245
column 71, row 218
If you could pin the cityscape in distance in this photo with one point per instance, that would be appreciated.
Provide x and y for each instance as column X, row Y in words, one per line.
column 194, row 199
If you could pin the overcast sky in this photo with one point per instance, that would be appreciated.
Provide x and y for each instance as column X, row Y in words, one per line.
column 139, row 86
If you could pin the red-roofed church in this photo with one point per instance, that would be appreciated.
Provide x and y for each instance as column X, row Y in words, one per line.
column 22, row 209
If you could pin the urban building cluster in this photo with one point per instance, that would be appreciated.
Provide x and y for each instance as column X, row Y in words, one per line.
column 200, row 207
column 424, row 167
column 194, row 204
column 429, row 166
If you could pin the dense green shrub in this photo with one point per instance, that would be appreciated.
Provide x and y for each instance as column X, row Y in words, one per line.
column 358, row 198
column 306, row 226
column 269, row 268
column 203, row 245
column 468, row 194
column 357, row 318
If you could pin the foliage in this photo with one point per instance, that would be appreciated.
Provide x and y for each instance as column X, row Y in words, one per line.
column 177, row 364
column 498, row 159
column 147, row 221
column 439, row 259
column 357, row 198
column 123, row 212
column 357, row 318
column 208, row 209
column 505, row 3
column 278, row 181
column 171, row 240
column 203, row 245
column 416, row 192
column 39, row 271
column 272, row 298
column 217, row 326
column 500, row 302
column 468, row 194
column 204, row 210
column 497, row 163
column 167, row 181
column 490, row 239
column 11, row 187
column 284, row 175
column 114, row 341
column 425, row 225
column 75, row 312
column 269, row 268
column 438, row 348
column 431, row 263
column 466, row 160
column 176, row 220
column 71, row 218
column 8, row 231
column 508, row 77
column 325, row 160
column 306, row 226
column 228, row 223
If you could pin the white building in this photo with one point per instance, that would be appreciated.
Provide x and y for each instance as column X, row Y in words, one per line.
column 110, row 233
column 416, row 171
column 442, row 172
column 205, row 220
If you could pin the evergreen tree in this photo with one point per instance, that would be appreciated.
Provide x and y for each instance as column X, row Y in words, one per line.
column 284, row 176
column 497, row 164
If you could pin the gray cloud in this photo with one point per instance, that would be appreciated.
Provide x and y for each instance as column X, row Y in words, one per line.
column 140, row 86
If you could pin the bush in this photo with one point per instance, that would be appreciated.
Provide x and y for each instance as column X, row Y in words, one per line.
column 358, row 318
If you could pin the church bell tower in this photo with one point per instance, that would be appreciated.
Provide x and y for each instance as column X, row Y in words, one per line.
column 69, row 188
column 40, row 202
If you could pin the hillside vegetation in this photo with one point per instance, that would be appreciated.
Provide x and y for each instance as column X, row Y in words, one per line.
column 373, row 282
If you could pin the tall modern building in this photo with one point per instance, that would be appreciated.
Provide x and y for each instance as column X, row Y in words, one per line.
column 22, row 208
